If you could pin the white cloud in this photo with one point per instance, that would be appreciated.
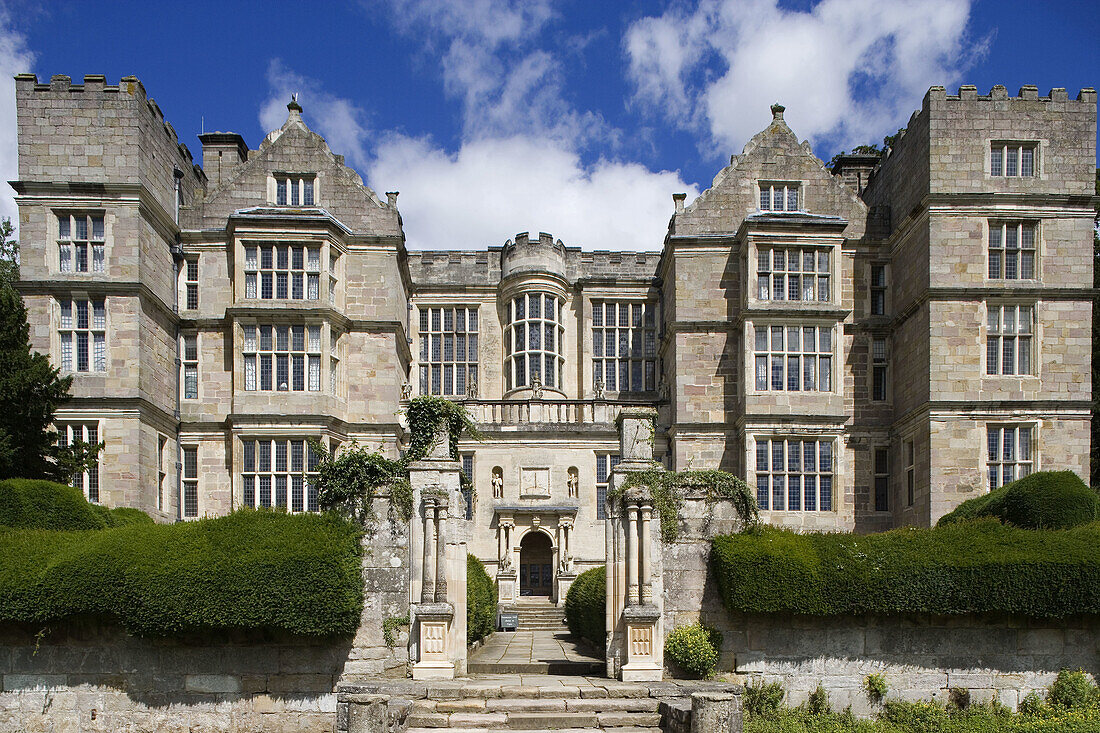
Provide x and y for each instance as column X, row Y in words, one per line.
column 15, row 58
column 493, row 188
column 849, row 71
column 338, row 120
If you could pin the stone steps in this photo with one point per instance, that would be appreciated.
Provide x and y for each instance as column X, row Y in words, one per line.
column 539, row 616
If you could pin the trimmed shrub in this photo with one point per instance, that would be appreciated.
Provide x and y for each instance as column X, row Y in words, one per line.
column 36, row 504
column 1044, row 500
column 250, row 570
column 481, row 600
column 973, row 567
column 585, row 606
column 124, row 515
column 692, row 648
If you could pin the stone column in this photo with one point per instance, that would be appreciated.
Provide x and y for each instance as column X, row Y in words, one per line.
column 506, row 572
column 441, row 550
column 632, row 549
column 646, row 595
column 427, row 588
column 716, row 712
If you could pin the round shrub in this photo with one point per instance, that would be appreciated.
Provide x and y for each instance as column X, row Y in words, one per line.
column 585, row 606
column 1072, row 690
column 1043, row 500
column 692, row 648
column 35, row 504
column 481, row 601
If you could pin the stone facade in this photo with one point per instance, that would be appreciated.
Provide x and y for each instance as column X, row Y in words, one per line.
column 756, row 334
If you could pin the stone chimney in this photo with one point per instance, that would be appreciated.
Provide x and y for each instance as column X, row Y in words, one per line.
column 679, row 199
column 222, row 153
column 855, row 170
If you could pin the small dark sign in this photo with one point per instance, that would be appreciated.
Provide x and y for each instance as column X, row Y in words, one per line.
column 507, row 621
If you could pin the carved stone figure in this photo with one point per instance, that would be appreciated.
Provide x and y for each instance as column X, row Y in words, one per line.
column 471, row 390
column 498, row 485
column 573, row 483
column 406, row 391
column 536, row 388
column 598, row 389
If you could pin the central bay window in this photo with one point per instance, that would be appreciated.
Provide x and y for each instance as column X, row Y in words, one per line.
column 624, row 346
column 778, row 196
column 793, row 273
column 80, row 243
column 82, row 332
column 283, row 271
column 794, row 475
column 1008, row 338
column 283, row 358
column 794, row 358
column 1012, row 250
column 448, row 350
column 1009, row 453
column 279, row 472
column 533, row 340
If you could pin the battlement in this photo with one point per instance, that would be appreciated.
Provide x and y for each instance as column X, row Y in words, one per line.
column 96, row 84
column 1027, row 93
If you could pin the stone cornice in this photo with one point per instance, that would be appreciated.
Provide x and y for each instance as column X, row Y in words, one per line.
column 140, row 406
column 65, row 285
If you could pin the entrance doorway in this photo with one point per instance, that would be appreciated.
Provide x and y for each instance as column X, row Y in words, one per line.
column 536, row 565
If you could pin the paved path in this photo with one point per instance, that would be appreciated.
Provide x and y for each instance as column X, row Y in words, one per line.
column 517, row 652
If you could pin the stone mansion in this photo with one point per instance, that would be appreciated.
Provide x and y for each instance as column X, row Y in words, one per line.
column 867, row 346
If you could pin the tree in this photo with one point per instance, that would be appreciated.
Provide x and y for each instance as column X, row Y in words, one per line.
column 30, row 391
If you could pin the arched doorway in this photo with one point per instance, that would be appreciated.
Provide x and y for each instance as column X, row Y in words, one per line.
column 536, row 565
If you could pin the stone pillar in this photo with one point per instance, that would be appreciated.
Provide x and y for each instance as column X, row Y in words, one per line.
column 716, row 712
column 438, row 541
column 635, row 644
column 506, row 572
column 646, row 579
column 427, row 590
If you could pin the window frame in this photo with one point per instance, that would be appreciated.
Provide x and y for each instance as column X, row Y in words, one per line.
column 291, row 189
column 251, row 479
column 191, row 283
column 880, row 483
column 768, row 488
column 274, row 278
column 91, row 433
column 787, row 187
column 189, row 482
column 639, row 336
column 70, row 246
column 189, row 364
column 774, row 274
column 1016, row 461
column 878, row 290
column 770, row 354
column 1001, row 252
column 434, row 335
column 1004, row 152
column 518, row 322
column 252, row 351
column 96, row 345
column 1024, row 343
column 880, row 365
column 909, row 455
column 606, row 461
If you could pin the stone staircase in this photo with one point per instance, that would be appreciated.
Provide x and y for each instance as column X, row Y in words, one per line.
column 539, row 615
column 547, row 703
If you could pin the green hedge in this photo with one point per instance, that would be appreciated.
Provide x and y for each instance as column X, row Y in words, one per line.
column 1044, row 500
column 970, row 567
column 481, row 600
column 249, row 570
column 585, row 605
column 35, row 504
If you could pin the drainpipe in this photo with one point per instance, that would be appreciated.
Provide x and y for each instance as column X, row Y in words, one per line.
column 177, row 256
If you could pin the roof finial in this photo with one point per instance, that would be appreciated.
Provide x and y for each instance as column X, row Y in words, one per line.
column 294, row 106
column 777, row 111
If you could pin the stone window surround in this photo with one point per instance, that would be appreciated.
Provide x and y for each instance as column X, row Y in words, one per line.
column 288, row 472
column 835, row 380
column 88, row 431
column 190, row 284
column 787, row 187
column 558, row 323
column 329, row 334
column 473, row 358
column 189, row 481
column 1019, row 459
column 1034, row 336
column 794, row 266
column 874, row 288
column 759, row 241
column 68, row 366
column 648, row 303
column 190, row 362
column 787, row 436
column 301, row 177
column 328, row 247
column 55, row 233
column 1005, row 223
column 1037, row 164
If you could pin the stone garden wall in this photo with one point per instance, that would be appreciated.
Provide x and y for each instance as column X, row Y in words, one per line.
column 921, row 657
column 88, row 675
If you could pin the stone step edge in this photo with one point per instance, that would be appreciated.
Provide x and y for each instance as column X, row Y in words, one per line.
column 472, row 688
column 605, row 729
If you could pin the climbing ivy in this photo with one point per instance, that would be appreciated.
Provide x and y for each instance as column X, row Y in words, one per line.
column 348, row 483
column 668, row 489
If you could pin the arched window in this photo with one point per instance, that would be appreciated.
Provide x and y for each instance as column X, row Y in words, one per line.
column 533, row 341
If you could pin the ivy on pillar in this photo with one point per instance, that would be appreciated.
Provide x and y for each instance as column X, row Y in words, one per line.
column 635, row 643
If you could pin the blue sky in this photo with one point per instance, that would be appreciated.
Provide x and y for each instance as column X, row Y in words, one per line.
column 579, row 118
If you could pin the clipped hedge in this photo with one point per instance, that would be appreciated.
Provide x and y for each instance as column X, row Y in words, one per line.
column 35, row 504
column 481, row 600
column 970, row 567
column 249, row 570
column 1044, row 500
column 585, row 605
